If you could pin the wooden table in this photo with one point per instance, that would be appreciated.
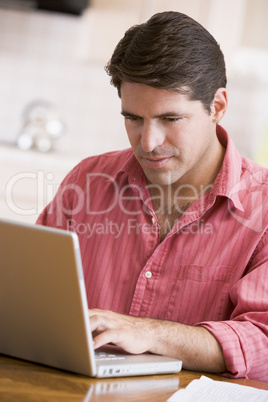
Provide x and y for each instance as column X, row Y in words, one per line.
column 24, row 381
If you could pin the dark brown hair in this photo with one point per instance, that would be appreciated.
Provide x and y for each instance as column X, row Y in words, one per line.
column 170, row 51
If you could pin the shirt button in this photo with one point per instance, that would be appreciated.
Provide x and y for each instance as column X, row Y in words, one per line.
column 148, row 274
column 153, row 220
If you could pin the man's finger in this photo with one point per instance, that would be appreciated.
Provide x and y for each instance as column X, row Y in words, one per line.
column 109, row 336
column 99, row 323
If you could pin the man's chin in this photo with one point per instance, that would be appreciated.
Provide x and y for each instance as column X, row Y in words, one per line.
column 161, row 179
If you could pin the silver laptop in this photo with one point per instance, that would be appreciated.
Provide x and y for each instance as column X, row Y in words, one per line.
column 43, row 307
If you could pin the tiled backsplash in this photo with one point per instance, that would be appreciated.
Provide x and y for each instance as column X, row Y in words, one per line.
column 39, row 59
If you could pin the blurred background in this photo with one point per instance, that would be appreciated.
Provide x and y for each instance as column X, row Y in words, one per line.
column 57, row 104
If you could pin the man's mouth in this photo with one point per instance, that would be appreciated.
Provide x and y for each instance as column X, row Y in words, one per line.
column 156, row 162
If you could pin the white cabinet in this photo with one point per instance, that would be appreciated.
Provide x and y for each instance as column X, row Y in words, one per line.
column 29, row 180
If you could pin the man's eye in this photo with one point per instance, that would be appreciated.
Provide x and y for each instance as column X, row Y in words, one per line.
column 172, row 119
column 132, row 118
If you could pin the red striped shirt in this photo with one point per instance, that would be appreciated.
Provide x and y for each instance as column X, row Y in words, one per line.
column 211, row 268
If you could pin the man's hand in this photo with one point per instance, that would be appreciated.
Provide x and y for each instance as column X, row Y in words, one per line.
column 133, row 334
column 194, row 345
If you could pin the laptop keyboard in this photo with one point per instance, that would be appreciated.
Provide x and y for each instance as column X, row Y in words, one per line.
column 101, row 356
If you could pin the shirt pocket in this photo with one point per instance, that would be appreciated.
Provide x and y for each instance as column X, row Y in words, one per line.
column 200, row 293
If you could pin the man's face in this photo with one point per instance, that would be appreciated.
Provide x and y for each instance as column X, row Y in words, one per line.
column 173, row 138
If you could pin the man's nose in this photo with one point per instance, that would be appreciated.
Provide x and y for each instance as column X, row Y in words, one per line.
column 151, row 137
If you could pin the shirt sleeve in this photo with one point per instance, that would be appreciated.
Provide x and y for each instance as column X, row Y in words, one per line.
column 65, row 203
column 244, row 338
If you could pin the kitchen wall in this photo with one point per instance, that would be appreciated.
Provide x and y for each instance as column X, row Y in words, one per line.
column 41, row 59
column 60, row 59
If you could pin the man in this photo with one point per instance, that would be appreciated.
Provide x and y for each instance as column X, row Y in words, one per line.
column 173, row 230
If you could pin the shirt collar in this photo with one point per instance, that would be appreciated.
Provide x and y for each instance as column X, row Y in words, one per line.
column 132, row 169
column 228, row 181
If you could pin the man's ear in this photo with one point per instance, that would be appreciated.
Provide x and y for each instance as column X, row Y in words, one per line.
column 219, row 105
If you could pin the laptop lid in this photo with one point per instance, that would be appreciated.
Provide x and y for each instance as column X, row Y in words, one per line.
column 43, row 306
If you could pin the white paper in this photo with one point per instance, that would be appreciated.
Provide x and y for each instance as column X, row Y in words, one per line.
column 207, row 390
